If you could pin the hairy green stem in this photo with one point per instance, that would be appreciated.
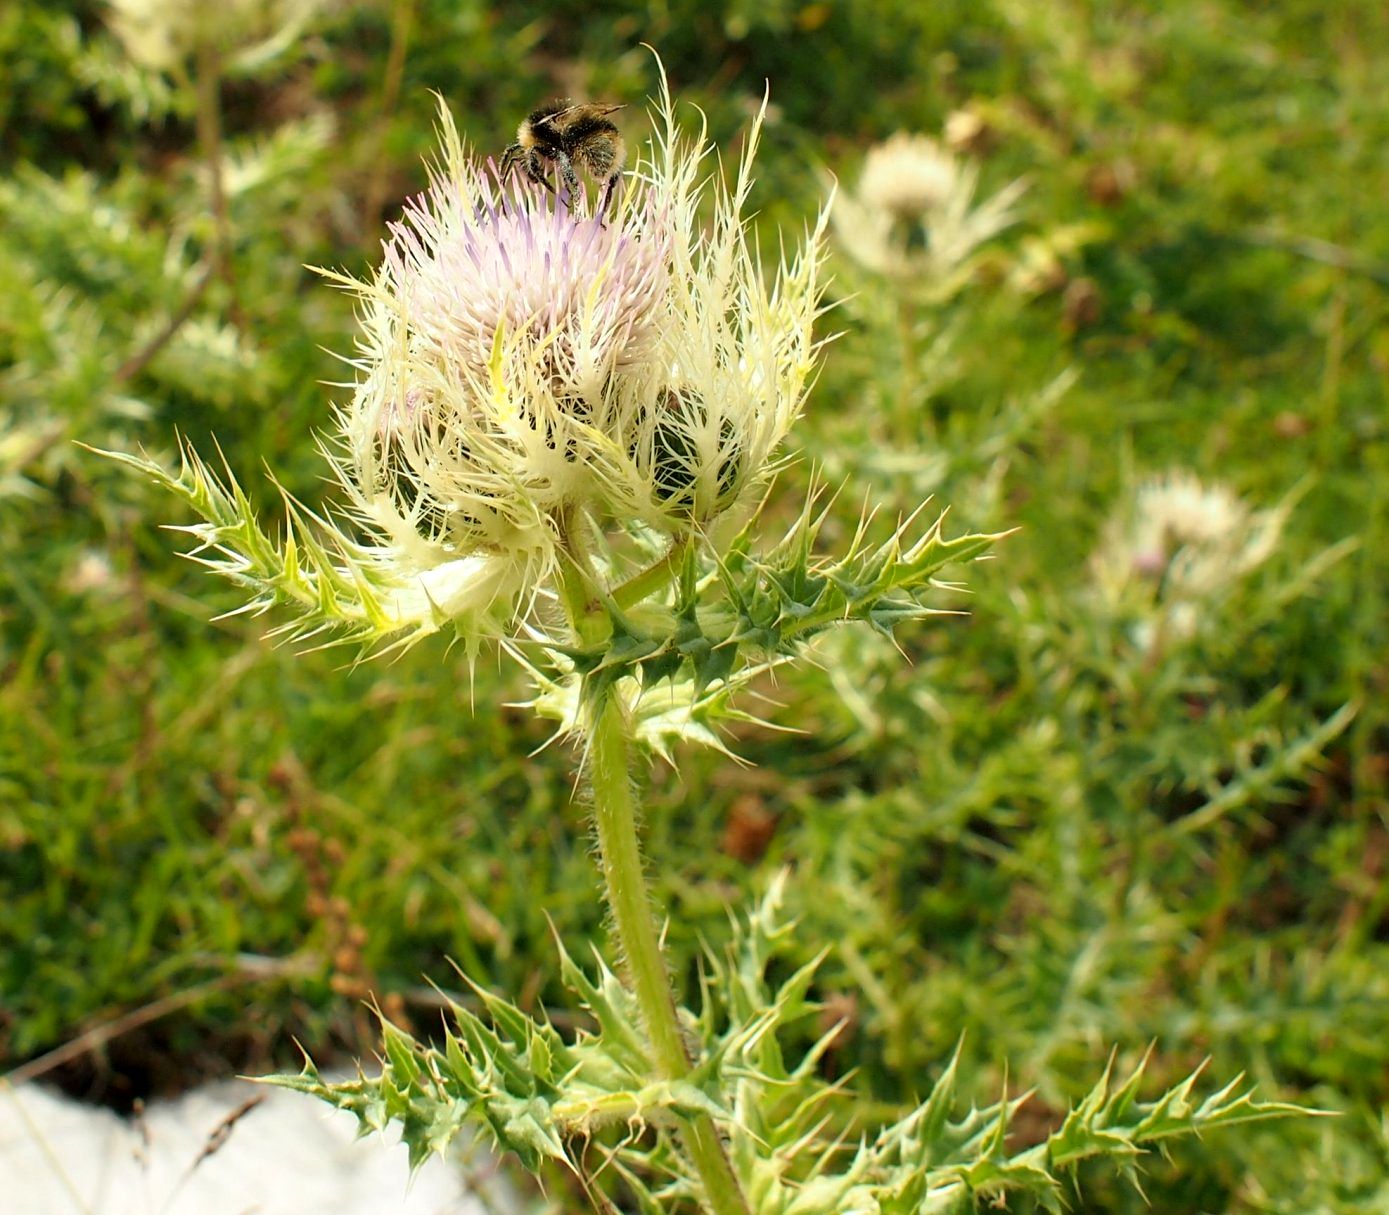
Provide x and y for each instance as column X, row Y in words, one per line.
column 653, row 577
column 615, row 813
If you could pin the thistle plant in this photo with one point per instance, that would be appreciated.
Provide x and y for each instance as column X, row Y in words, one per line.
column 562, row 424
column 911, row 232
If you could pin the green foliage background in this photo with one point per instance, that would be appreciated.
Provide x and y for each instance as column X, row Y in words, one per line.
column 1019, row 832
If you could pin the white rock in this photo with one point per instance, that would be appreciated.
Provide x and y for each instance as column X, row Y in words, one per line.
column 289, row 1155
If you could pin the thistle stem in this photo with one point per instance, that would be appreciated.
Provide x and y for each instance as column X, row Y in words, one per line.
column 402, row 20
column 653, row 577
column 208, row 82
column 615, row 813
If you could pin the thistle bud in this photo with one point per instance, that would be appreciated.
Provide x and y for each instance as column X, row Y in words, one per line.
column 692, row 467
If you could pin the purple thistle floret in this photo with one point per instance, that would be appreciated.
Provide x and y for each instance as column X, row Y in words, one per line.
column 475, row 258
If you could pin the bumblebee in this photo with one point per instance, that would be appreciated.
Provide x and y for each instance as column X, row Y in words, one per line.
column 564, row 137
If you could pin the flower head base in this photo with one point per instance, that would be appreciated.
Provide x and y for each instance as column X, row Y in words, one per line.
column 913, row 216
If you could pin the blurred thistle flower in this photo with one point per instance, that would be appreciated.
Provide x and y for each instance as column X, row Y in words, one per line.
column 908, row 175
column 529, row 370
column 162, row 34
column 913, row 216
column 90, row 572
column 1186, row 543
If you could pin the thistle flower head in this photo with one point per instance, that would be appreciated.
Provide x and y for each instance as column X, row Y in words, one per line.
column 1183, row 543
column 913, row 215
column 908, row 175
column 543, row 381
column 525, row 356
column 506, row 336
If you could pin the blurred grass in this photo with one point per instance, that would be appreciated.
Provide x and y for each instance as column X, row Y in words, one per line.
column 990, row 833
